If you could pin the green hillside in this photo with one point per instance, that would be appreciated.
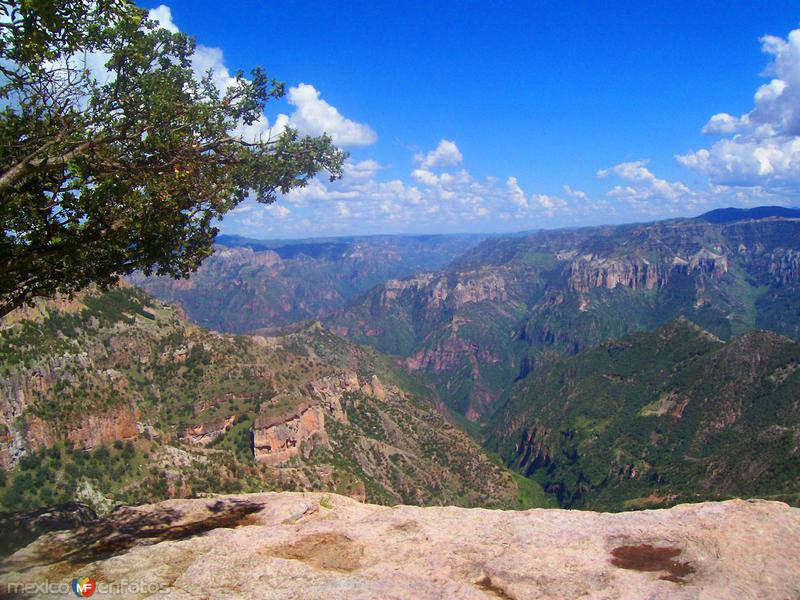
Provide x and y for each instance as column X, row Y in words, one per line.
column 659, row 418
column 115, row 398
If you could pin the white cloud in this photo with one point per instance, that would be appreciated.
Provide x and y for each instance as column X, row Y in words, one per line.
column 449, row 199
column 722, row 124
column 646, row 186
column 278, row 210
column 363, row 169
column 772, row 162
column 314, row 116
column 578, row 194
column 764, row 150
column 343, row 210
column 425, row 176
column 162, row 15
column 516, row 194
column 206, row 60
column 550, row 205
column 446, row 154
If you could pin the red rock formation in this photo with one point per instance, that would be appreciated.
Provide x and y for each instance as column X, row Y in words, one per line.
column 204, row 434
column 92, row 430
column 276, row 440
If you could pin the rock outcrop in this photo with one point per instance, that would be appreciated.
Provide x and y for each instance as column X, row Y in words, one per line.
column 436, row 292
column 637, row 272
column 279, row 436
column 87, row 433
column 204, row 434
column 277, row 439
column 292, row 545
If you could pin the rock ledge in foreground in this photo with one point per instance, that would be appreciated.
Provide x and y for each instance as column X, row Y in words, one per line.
column 294, row 545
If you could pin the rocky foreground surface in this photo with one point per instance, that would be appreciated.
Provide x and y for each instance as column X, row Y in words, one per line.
column 294, row 545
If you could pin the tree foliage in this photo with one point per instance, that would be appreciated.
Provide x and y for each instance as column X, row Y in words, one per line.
column 116, row 156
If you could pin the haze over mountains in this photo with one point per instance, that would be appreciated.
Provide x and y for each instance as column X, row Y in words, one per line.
column 729, row 270
column 493, row 314
column 251, row 284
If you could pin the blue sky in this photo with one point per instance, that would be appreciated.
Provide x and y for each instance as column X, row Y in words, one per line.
column 506, row 116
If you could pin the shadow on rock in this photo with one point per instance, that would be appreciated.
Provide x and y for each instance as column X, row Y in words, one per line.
column 17, row 530
column 129, row 526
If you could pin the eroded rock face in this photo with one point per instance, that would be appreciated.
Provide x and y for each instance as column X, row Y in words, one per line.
column 436, row 292
column 19, row 391
column 637, row 272
column 204, row 434
column 449, row 354
column 277, row 437
column 91, row 431
column 276, row 440
column 293, row 545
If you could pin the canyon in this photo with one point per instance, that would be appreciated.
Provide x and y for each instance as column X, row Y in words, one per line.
column 114, row 397
column 250, row 284
column 490, row 316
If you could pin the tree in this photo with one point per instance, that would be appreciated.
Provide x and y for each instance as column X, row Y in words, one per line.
column 104, row 175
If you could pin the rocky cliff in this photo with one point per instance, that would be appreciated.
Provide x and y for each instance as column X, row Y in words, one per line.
column 277, row 439
column 282, row 546
column 637, row 272
column 249, row 284
column 508, row 304
column 116, row 398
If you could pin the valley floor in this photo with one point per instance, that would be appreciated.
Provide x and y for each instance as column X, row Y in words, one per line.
column 296, row 545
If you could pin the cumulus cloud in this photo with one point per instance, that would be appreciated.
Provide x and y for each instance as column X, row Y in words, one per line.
column 516, row 194
column 722, row 124
column 578, row 194
column 162, row 15
column 449, row 199
column 446, row 154
column 278, row 211
column 550, row 205
column 771, row 162
column 644, row 185
column 425, row 176
column 363, row 169
column 763, row 149
column 312, row 115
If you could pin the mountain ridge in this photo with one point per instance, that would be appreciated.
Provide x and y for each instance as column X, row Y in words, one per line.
column 730, row 214
column 659, row 417
column 114, row 398
column 255, row 284
column 491, row 314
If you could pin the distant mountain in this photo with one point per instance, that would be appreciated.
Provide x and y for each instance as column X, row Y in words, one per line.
column 115, row 398
column 251, row 284
column 493, row 314
column 659, row 418
column 728, row 215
